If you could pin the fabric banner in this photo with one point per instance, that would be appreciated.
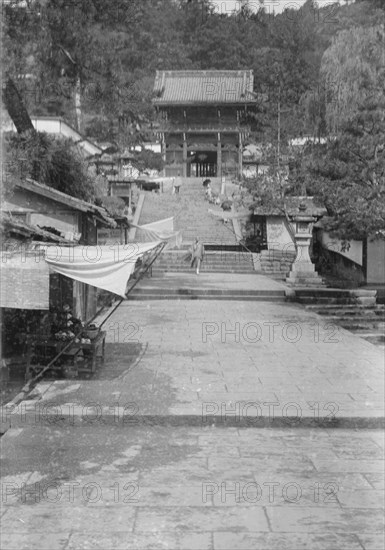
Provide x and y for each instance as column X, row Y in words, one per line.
column 106, row 267
column 162, row 230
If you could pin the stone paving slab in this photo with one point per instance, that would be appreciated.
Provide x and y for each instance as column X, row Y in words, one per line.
column 180, row 488
column 237, row 364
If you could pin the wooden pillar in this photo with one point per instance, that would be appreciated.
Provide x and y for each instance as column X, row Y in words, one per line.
column 240, row 147
column 163, row 146
column 219, row 156
column 184, row 173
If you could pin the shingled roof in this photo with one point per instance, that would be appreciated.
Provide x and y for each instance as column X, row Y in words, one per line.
column 292, row 208
column 199, row 87
column 10, row 225
column 68, row 200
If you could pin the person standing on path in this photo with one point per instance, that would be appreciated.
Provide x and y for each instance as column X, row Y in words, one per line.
column 226, row 207
column 197, row 253
column 177, row 183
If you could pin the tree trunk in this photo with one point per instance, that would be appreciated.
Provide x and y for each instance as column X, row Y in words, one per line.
column 16, row 109
column 78, row 105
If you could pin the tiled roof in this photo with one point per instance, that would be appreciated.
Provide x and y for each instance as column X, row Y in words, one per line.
column 68, row 200
column 23, row 229
column 197, row 87
column 292, row 208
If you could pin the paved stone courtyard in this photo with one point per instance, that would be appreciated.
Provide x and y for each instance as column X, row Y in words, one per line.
column 191, row 488
column 211, row 425
column 239, row 363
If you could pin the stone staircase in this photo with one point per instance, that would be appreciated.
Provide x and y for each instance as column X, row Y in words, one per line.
column 355, row 310
column 190, row 211
column 215, row 261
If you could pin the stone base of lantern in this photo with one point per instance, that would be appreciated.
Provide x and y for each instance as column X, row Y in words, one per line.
column 304, row 275
column 305, row 278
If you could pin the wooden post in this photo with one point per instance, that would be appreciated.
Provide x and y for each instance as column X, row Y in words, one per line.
column 163, row 146
column 219, row 156
column 279, row 136
column 184, row 173
column 240, row 147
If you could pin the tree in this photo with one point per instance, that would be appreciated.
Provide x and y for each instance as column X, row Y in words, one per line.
column 148, row 160
column 353, row 71
column 53, row 162
column 348, row 173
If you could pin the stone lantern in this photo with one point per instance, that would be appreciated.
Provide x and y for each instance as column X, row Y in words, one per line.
column 303, row 271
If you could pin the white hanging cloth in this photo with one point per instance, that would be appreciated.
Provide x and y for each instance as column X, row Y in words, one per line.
column 106, row 267
column 162, row 230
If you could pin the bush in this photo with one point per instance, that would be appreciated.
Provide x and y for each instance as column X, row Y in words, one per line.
column 54, row 162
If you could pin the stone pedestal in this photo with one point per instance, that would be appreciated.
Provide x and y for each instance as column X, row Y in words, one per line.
column 303, row 271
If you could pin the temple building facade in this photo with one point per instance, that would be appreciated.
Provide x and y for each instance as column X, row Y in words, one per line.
column 203, row 121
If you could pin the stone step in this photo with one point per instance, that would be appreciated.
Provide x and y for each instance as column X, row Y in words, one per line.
column 277, row 276
column 272, row 271
column 335, row 292
column 277, row 255
column 308, row 282
column 335, row 296
column 166, row 262
column 213, row 261
column 356, row 324
column 159, row 291
column 373, row 337
column 136, row 297
column 180, row 269
column 207, row 260
column 276, row 262
column 206, row 266
column 358, row 307
column 324, row 300
column 350, row 311
column 364, row 320
column 282, row 267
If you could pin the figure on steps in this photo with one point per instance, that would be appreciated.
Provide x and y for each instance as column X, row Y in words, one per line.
column 177, row 183
column 197, row 254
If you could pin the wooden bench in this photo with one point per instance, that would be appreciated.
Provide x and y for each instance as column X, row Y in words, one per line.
column 45, row 349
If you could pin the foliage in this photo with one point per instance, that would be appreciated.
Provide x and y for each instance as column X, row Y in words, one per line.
column 347, row 176
column 115, row 205
column 53, row 162
column 95, row 59
column 148, row 160
column 353, row 68
column 348, row 173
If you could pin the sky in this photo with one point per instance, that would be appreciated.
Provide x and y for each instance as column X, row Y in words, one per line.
column 271, row 6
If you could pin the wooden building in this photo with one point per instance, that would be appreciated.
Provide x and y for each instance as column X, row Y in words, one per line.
column 74, row 221
column 203, row 120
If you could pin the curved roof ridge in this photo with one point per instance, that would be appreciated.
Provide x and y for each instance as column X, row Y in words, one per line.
column 203, row 86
